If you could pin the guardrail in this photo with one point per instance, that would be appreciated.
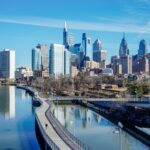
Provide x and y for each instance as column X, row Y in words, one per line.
column 73, row 142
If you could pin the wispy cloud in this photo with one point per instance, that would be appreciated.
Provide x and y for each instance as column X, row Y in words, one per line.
column 111, row 26
column 144, row 1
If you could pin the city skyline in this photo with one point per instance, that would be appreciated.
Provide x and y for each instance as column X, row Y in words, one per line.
column 22, row 28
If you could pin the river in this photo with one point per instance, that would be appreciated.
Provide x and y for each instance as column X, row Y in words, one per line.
column 94, row 130
column 17, row 123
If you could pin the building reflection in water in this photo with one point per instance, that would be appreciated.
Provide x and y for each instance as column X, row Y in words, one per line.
column 69, row 115
column 7, row 101
column 94, row 130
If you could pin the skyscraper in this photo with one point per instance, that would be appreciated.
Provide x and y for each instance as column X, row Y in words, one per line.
column 116, row 65
column 126, row 62
column 56, row 60
column 67, row 62
column 7, row 64
column 65, row 36
column 78, row 50
column 142, row 48
column 99, row 54
column 44, row 55
column 68, row 38
column 123, row 47
column 36, row 59
column 87, row 47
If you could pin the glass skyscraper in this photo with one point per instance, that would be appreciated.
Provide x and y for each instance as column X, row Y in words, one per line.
column 65, row 36
column 78, row 50
column 36, row 59
column 99, row 54
column 87, row 47
column 44, row 55
column 7, row 64
column 67, row 62
column 123, row 47
column 68, row 38
column 142, row 48
column 56, row 60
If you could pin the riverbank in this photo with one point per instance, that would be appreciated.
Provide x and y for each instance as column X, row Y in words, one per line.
column 54, row 135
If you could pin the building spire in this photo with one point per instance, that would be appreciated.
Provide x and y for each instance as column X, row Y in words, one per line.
column 65, row 26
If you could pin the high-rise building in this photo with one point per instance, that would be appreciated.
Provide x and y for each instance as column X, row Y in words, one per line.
column 7, row 64
column 56, row 60
column 99, row 55
column 68, row 38
column 142, row 48
column 67, row 62
column 87, row 46
column 36, row 59
column 78, row 50
column 44, row 55
column 97, row 46
column 123, row 47
column 65, row 36
column 116, row 66
column 126, row 62
column 141, row 64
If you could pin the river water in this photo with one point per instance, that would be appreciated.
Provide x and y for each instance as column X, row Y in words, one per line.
column 94, row 130
column 17, row 124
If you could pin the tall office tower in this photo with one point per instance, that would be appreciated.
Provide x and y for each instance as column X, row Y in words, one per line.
column 67, row 62
column 68, row 38
column 56, row 60
column 135, row 64
column 44, row 55
column 36, row 59
column 65, row 36
column 123, row 47
column 87, row 47
column 116, row 66
column 141, row 64
column 99, row 54
column 78, row 50
column 126, row 62
column 142, row 48
column 7, row 64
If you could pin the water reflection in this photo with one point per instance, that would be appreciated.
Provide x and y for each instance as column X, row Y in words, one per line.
column 68, row 115
column 17, row 130
column 7, row 102
column 94, row 130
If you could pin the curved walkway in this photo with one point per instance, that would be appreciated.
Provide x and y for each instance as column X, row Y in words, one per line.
column 55, row 131
column 49, row 130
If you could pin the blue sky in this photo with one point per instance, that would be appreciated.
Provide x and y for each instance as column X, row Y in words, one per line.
column 25, row 23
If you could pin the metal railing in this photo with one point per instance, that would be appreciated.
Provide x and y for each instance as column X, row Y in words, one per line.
column 48, row 140
column 73, row 142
